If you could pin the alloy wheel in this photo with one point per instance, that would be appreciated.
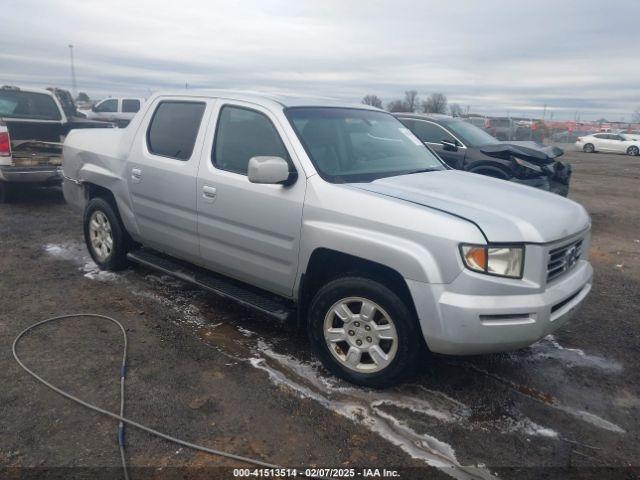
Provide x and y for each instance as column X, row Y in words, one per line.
column 360, row 335
column 100, row 235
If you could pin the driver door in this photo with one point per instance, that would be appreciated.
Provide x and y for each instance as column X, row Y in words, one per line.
column 248, row 231
column 432, row 135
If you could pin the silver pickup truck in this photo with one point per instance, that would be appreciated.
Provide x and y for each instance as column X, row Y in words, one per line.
column 334, row 216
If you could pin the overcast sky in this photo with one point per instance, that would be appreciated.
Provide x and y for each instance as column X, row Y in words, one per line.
column 497, row 57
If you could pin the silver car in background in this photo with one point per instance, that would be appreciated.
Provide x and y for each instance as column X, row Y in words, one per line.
column 334, row 216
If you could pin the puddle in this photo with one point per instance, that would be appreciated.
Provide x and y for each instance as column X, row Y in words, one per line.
column 549, row 347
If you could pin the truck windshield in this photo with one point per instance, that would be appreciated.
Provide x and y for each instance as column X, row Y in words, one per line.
column 358, row 145
column 18, row 104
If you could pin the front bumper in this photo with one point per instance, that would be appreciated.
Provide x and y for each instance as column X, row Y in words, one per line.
column 43, row 174
column 459, row 324
column 556, row 180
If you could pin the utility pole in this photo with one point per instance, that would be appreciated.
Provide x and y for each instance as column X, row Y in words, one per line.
column 74, row 87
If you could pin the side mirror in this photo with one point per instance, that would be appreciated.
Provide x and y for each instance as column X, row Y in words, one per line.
column 270, row 170
column 93, row 107
column 449, row 146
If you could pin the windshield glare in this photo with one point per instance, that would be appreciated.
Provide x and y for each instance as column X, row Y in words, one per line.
column 471, row 135
column 353, row 145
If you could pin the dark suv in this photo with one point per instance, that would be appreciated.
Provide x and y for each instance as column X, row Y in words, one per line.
column 464, row 146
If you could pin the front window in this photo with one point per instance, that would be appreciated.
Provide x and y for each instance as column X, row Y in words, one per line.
column 354, row 145
column 471, row 135
column 108, row 106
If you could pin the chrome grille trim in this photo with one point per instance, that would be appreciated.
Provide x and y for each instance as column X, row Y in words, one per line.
column 563, row 259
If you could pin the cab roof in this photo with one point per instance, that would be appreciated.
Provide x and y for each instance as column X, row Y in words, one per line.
column 280, row 99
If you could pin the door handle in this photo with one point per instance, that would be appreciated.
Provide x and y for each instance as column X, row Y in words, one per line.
column 136, row 175
column 209, row 193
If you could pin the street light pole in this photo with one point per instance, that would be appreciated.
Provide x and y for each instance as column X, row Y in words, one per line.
column 74, row 87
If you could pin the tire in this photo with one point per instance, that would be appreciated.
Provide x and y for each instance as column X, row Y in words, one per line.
column 588, row 148
column 391, row 318
column 105, row 236
column 633, row 151
column 6, row 192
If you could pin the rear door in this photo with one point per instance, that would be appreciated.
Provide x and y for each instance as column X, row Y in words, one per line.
column 162, row 174
column 248, row 231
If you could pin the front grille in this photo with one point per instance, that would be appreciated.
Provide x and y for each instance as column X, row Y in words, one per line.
column 563, row 259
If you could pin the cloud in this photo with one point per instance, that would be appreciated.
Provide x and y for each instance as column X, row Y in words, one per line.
column 495, row 56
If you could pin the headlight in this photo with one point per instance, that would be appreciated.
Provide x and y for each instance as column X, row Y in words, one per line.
column 503, row 261
column 529, row 165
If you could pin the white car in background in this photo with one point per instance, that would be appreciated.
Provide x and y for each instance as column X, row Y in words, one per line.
column 608, row 142
column 631, row 134
column 117, row 110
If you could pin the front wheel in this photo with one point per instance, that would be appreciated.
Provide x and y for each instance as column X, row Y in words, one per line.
column 363, row 332
column 633, row 151
column 105, row 236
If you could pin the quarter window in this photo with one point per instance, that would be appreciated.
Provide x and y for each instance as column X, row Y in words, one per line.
column 174, row 129
column 108, row 106
column 130, row 105
column 243, row 134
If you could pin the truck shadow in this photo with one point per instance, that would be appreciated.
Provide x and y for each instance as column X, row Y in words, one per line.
column 23, row 194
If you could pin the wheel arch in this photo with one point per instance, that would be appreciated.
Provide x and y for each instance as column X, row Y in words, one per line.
column 122, row 210
column 326, row 264
column 489, row 168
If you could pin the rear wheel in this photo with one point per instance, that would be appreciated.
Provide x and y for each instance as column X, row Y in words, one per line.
column 105, row 236
column 633, row 151
column 363, row 332
column 588, row 148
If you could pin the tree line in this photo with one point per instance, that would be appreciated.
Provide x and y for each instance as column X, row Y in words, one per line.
column 434, row 103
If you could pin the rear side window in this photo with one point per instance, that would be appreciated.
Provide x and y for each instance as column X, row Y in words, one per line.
column 174, row 129
column 108, row 106
column 130, row 105
column 14, row 103
column 243, row 134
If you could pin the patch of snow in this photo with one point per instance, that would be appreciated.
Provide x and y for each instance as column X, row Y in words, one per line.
column 363, row 406
column 549, row 347
column 76, row 252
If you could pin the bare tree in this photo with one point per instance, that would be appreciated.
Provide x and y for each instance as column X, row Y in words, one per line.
column 635, row 117
column 435, row 103
column 372, row 100
column 455, row 110
column 397, row 106
column 411, row 100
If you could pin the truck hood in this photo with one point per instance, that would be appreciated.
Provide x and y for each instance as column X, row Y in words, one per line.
column 530, row 151
column 504, row 211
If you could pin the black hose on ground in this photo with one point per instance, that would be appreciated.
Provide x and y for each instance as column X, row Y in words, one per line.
column 120, row 417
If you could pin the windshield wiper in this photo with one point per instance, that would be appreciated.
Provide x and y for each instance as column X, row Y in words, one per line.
column 420, row 170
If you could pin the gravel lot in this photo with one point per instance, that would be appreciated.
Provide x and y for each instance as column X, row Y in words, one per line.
column 212, row 373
